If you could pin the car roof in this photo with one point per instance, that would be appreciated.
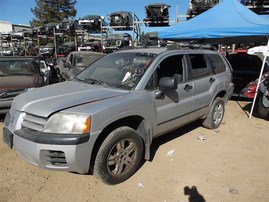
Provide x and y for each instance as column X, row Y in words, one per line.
column 159, row 50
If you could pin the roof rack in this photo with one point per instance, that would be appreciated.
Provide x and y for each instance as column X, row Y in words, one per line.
column 190, row 46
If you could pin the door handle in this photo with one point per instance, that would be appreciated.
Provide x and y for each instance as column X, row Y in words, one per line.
column 187, row 87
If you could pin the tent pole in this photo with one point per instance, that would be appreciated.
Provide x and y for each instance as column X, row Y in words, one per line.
column 259, row 80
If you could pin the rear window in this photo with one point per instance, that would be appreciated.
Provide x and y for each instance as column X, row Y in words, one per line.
column 199, row 66
column 245, row 62
column 217, row 63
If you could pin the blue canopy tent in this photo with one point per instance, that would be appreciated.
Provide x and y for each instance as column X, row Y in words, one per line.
column 227, row 22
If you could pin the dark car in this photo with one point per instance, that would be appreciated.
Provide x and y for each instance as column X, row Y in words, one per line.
column 17, row 75
column 115, row 42
column 260, row 7
column 76, row 61
column 250, row 90
column 65, row 48
column 36, row 31
column 68, row 26
column 197, row 7
column 246, row 68
column 121, row 20
column 157, row 14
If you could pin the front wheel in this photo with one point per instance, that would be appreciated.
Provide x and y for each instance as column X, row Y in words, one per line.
column 262, row 110
column 119, row 156
column 215, row 115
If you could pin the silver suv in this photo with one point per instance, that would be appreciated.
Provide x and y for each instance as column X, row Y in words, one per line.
column 104, row 120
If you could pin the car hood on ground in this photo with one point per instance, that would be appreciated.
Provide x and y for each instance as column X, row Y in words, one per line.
column 49, row 99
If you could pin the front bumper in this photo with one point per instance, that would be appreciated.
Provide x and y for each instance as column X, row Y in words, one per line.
column 50, row 151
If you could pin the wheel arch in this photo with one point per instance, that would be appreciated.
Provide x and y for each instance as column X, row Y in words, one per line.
column 221, row 94
column 135, row 122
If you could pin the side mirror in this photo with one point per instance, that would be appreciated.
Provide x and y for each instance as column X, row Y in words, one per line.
column 167, row 84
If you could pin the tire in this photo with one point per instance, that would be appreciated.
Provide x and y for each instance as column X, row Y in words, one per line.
column 262, row 110
column 215, row 115
column 119, row 156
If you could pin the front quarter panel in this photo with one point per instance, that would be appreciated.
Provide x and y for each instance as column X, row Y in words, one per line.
column 105, row 112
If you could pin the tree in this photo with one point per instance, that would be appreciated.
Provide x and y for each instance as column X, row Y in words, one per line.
column 52, row 11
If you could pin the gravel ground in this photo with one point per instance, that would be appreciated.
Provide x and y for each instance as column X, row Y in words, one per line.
column 188, row 165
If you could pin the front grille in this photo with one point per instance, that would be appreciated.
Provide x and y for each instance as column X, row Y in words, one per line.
column 55, row 158
column 34, row 122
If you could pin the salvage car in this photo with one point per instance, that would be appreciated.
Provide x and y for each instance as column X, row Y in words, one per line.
column 114, row 42
column 76, row 61
column 105, row 119
column 50, row 28
column 68, row 26
column 17, row 75
column 250, row 90
column 246, row 69
column 47, row 50
column 121, row 20
column 197, row 7
column 93, row 23
column 157, row 14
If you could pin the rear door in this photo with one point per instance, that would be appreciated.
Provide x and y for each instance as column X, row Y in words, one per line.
column 204, row 82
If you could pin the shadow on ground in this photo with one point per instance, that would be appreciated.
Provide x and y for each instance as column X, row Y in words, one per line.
column 157, row 142
column 194, row 195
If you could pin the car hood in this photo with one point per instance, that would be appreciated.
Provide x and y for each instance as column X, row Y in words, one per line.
column 49, row 99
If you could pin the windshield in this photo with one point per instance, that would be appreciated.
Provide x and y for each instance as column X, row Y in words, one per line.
column 17, row 67
column 121, row 70
column 84, row 60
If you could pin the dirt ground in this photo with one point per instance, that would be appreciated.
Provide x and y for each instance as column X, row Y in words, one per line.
column 231, row 164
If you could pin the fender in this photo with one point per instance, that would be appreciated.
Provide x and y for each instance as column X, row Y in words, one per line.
column 146, row 134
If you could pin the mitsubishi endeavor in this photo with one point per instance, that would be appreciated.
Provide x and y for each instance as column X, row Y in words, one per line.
column 104, row 120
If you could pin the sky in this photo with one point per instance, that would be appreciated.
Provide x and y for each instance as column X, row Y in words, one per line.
column 19, row 11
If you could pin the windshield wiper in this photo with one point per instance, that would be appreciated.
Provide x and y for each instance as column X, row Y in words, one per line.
column 94, row 81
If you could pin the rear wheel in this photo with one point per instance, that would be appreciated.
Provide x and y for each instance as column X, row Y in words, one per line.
column 215, row 115
column 119, row 156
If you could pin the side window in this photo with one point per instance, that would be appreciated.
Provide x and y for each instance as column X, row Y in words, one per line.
column 217, row 63
column 199, row 66
column 171, row 66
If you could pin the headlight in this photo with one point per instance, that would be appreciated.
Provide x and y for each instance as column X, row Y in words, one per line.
column 68, row 124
